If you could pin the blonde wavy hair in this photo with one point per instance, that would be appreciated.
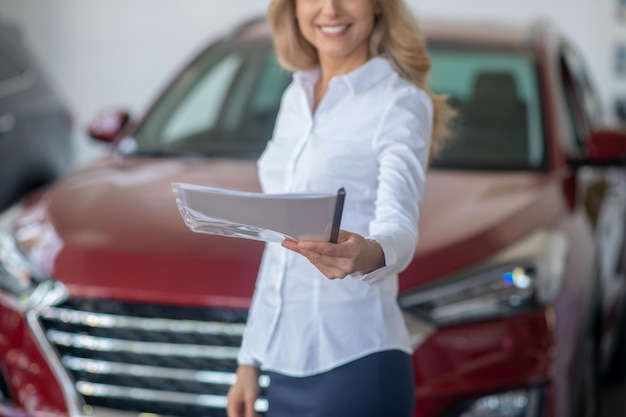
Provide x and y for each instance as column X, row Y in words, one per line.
column 396, row 34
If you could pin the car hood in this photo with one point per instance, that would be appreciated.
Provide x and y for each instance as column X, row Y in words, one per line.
column 113, row 229
column 467, row 217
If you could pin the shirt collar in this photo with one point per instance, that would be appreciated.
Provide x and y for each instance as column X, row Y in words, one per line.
column 357, row 80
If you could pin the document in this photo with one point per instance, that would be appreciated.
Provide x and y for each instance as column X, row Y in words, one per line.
column 257, row 216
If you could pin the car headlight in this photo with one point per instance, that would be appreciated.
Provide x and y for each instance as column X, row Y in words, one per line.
column 8, row 217
column 17, row 273
column 516, row 403
column 23, row 279
column 522, row 277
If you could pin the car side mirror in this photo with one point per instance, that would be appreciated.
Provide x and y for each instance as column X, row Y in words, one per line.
column 107, row 127
column 606, row 147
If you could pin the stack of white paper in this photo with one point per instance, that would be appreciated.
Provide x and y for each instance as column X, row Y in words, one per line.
column 266, row 217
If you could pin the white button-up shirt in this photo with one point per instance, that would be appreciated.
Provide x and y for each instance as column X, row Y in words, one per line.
column 370, row 134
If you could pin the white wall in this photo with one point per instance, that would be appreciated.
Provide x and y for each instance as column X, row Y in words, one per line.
column 101, row 54
column 593, row 25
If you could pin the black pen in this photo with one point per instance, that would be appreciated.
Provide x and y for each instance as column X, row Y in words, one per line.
column 334, row 231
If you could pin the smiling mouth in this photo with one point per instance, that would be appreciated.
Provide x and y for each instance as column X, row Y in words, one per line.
column 333, row 30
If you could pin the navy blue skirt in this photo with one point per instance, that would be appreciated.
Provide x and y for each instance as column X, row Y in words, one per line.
column 380, row 384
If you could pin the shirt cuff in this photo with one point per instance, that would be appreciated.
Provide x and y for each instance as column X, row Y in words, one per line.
column 391, row 259
column 245, row 358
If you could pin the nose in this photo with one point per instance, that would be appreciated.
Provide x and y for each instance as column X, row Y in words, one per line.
column 330, row 7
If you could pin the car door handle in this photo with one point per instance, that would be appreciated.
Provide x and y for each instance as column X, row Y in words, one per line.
column 7, row 123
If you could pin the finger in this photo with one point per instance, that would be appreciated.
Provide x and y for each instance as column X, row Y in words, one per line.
column 234, row 408
column 345, row 265
column 347, row 249
column 311, row 255
column 333, row 260
column 343, row 236
column 290, row 244
column 331, row 272
column 250, row 411
column 330, row 249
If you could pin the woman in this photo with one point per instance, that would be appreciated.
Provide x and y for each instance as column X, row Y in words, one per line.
column 324, row 323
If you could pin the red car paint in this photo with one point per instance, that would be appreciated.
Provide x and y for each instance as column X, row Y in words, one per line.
column 112, row 231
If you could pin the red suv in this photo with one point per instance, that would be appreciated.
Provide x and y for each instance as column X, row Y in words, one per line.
column 110, row 306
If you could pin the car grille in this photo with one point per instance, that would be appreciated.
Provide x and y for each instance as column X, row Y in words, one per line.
column 176, row 361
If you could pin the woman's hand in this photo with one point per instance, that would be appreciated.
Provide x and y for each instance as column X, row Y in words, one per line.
column 352, row 253
column 244, row 392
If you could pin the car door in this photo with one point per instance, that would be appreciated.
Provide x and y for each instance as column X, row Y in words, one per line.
column 604, row 191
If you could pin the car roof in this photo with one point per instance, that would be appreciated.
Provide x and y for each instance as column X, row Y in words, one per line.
column 469, row 33
column 485, row 33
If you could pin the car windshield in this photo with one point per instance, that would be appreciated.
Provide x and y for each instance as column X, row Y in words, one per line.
column 497, row 97
column 225, row 103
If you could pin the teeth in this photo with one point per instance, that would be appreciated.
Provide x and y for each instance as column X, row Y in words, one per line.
column 333, row 29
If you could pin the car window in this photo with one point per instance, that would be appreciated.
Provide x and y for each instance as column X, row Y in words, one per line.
column 264, row 102
column 254, row 107
column 224, row 104
column 590, row 96
column 574, row 102
column 583, row 103
column 198, row 110
column 497, row 97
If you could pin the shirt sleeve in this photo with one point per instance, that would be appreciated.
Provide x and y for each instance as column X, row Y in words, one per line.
column 245, row 358
column 402, row 146
column 246, row 355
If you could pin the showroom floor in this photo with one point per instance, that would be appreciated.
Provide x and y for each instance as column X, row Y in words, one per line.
column 613, row 401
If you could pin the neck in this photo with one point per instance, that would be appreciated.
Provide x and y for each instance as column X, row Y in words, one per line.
column 333, row 67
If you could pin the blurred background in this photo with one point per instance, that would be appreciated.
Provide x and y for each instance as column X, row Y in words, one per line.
column 103, row 54
column 99, row 55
